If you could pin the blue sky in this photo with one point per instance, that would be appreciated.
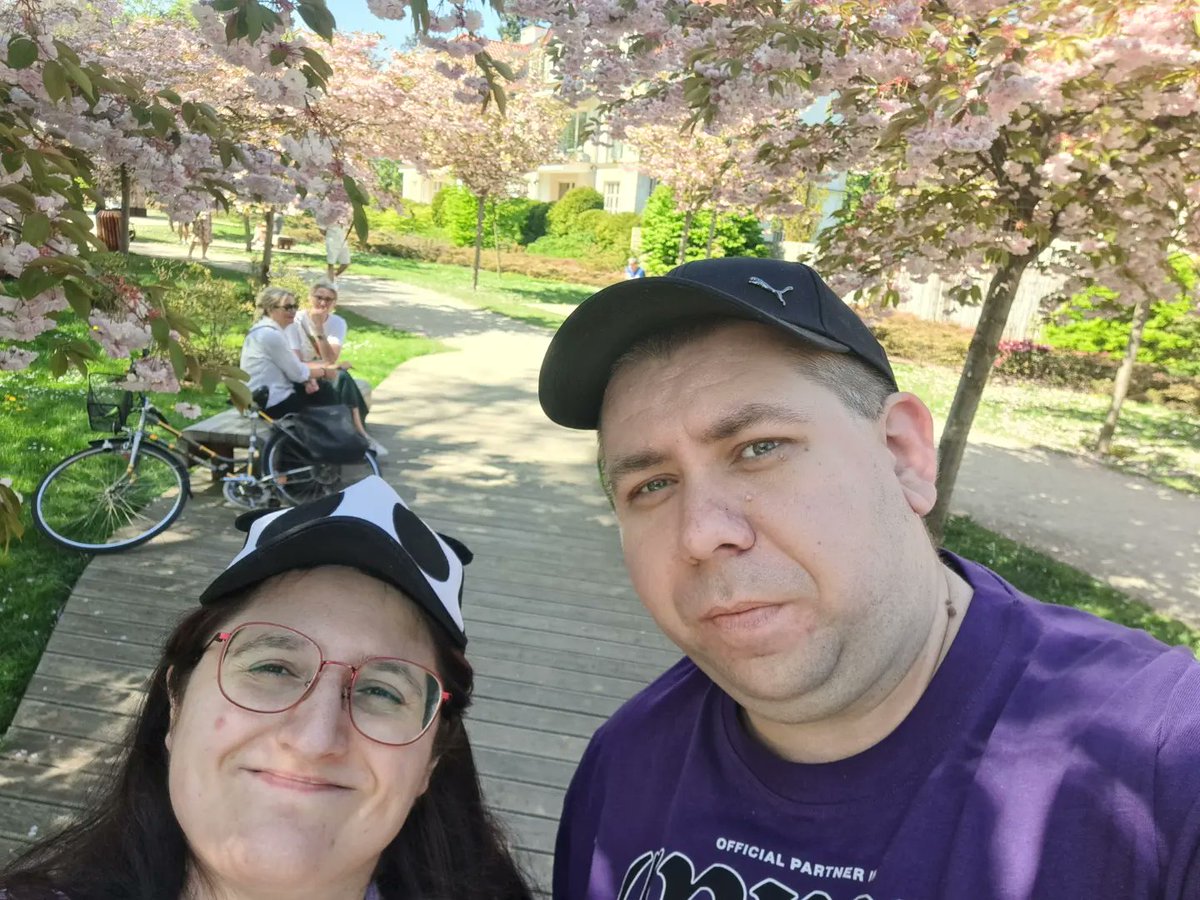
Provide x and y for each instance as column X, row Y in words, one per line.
column 353, row 15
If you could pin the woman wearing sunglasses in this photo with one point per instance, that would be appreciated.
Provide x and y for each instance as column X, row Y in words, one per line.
column 303, row 735
column 316, row 335
column 279, row 382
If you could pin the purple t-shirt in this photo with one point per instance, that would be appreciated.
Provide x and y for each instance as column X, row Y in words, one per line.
column 1054, row 755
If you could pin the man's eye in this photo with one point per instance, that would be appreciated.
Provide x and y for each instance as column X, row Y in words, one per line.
column 759, row 448
column 653, row 485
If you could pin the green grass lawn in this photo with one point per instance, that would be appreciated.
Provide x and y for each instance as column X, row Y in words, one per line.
column 1040, row 576
column 42, row 420
column 1160, row 443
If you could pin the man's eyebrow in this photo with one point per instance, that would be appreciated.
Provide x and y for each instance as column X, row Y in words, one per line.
column 753, row 414
column 725, row 427
column 632, row 462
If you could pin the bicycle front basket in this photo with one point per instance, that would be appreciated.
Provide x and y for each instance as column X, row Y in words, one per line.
column 108, row 405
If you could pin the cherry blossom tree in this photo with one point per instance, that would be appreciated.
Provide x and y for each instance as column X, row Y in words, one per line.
column 489, row 147
column 1002, row 137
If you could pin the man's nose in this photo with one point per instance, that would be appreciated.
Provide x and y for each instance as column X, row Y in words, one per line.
column 713, row 522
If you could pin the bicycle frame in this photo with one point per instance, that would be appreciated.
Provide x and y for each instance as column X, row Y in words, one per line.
column 150, row 417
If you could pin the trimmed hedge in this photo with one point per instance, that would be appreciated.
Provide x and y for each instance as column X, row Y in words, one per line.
column 561, row 220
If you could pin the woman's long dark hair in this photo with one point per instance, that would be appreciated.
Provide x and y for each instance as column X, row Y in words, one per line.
column 130, row 846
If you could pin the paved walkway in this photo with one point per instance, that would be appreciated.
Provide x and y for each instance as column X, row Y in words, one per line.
column 556, row 634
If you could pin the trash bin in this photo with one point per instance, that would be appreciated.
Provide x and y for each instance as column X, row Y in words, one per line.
column 108, row 224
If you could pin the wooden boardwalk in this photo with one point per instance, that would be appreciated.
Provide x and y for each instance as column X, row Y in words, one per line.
column 556, row 635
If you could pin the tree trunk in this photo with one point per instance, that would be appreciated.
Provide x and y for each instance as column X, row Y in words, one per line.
column 249, row 231
column 978, row 366
column 684, row 235
column 1141, row 315
column 712, row 233
column 123, row 238
column 264, row 272
column 478, row 242
column 496, row 237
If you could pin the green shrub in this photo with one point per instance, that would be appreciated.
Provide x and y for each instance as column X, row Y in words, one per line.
column 303, row 228
column 436, row 208
column 578, row 247
column 662, row 228
column 561, row 218
column 219, row 308
column 535, row 222
column 1096, row 322
column 459, row 209
column 519, row 220
column 587, row 222
column 616, row 230
column 414, row 218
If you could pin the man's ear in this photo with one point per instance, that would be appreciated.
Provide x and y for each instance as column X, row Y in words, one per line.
column 908, row 430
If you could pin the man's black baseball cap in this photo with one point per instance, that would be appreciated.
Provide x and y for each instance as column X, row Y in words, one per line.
column 789, row 296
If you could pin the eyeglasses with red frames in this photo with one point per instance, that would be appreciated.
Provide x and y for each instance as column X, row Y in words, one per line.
column 270, row 668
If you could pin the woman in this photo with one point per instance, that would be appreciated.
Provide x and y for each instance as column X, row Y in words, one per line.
column 279, row 382
column 303, row 732
column 317, row 334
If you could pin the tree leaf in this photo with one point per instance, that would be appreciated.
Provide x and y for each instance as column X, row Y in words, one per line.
column 80, row 299
column 161, row 330
column 80, row 77
column 35, row 228
column 354, row 191
column 12, row 160
column 54, row 77
column 238, row 392
column 19, row 194
column 178, row 359
column 361, row 228
column 58, row 363
column 22, row 53
column 317, row 17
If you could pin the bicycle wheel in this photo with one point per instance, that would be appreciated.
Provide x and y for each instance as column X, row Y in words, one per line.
column 299, row 478
column 93, row 501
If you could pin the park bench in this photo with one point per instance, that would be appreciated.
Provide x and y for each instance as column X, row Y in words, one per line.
column 229, row 429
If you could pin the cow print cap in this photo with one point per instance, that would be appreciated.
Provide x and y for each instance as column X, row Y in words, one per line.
column 367, row 527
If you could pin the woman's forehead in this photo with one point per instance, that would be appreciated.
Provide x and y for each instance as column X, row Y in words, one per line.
column 340, row 602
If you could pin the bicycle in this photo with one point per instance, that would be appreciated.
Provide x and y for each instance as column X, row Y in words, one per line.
column 129, row 487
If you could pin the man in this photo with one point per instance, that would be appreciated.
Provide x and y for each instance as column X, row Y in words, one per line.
column 337, row 251
column 858, row 717
column 633, row 269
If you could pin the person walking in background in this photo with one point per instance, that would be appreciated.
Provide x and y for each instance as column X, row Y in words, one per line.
column 633, row 269
column 337, row 251
column 201, row 234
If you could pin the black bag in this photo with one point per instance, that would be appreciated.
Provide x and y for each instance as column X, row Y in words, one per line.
column 328, row 433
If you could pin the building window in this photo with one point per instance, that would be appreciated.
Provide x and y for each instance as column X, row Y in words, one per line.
column 573, row 134
column 563, row 187
column 616, row 151
column 612, row 196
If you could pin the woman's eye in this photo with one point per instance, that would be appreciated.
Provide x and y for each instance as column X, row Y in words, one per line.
column 271, row 669
column 759, row 448
column 378, row 692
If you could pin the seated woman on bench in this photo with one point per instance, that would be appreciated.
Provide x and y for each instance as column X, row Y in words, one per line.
column 279, row 381
column 316, row 336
